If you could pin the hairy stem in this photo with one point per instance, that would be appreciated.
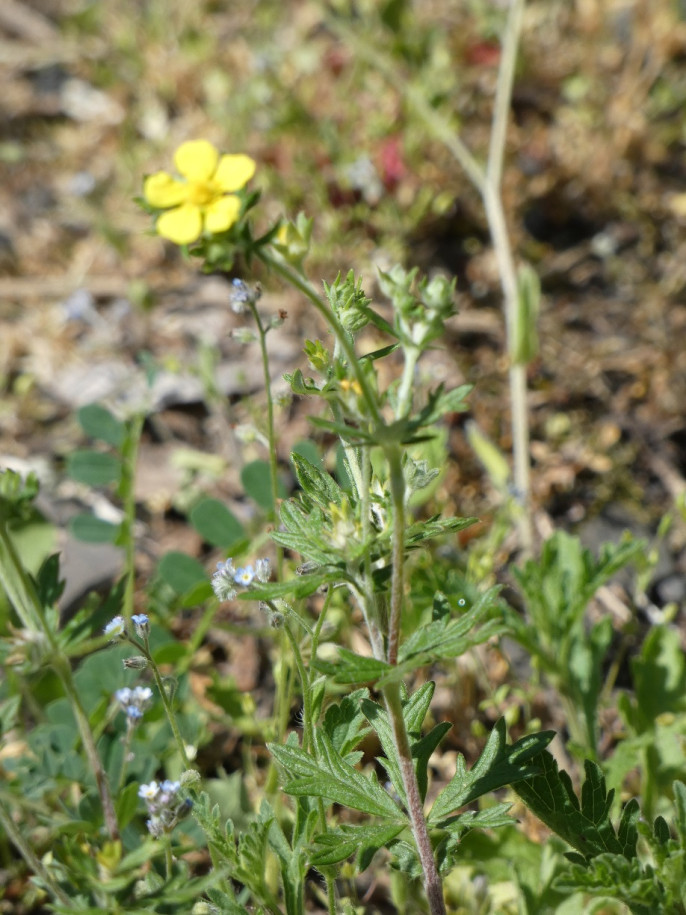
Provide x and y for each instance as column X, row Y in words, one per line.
column 394, row 457
column 164, row 695
column 432, row 880
column 271, row 433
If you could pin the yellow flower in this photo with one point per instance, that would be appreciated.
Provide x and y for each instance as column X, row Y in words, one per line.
column 203, row 202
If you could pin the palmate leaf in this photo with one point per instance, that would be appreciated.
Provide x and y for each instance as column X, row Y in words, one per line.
column 585, row 826
column 327, row 775
column 500, row 764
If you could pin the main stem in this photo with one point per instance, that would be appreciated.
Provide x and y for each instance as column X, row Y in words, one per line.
column 432, row 880
column 391, row 692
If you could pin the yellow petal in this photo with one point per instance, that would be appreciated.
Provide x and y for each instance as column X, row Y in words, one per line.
column 196, row 160
column 181, row 225
column 234, row 171
column 222, row 214
column 161, row 190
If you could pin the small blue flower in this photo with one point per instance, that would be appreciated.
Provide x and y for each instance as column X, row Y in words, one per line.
column 116, row 628
column 134, row 701
column 142, row 624
column 149, row 792
column 244, row 576
column 242, row 295
column 142, row 695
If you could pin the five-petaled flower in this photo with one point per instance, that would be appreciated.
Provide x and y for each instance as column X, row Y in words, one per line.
column 204, row 201
column 116, row 628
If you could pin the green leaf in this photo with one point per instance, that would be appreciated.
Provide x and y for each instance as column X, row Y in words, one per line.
column 316, row 483
column 558, row 586
column 450, row 851
column 336, row 845
column 90, row 529
column 414, row 711
column 308, row 449
column 301, row 586
column 308, row 547
column 256, row 480
column 181, row 572
column 441, row 402
column 327, row 775
column 586, row 826
column 434, row 527
column 48, row 584
column 98, row 423
column 353, row 668
column 93, row 467
column 344, row 720
column 498, row 765
column 586, row 655
column 661, row 830
column 492, row 817
column 447, row 638
column 216, row 524
column 659, row 675
column 625, row 879
column 127, row 804
column 292, row 863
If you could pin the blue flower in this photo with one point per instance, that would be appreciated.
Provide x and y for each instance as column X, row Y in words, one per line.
column 142, row 624
column 116, row 628
column 244, row 576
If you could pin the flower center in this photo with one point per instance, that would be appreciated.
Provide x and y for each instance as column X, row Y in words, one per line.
column 202, row 193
